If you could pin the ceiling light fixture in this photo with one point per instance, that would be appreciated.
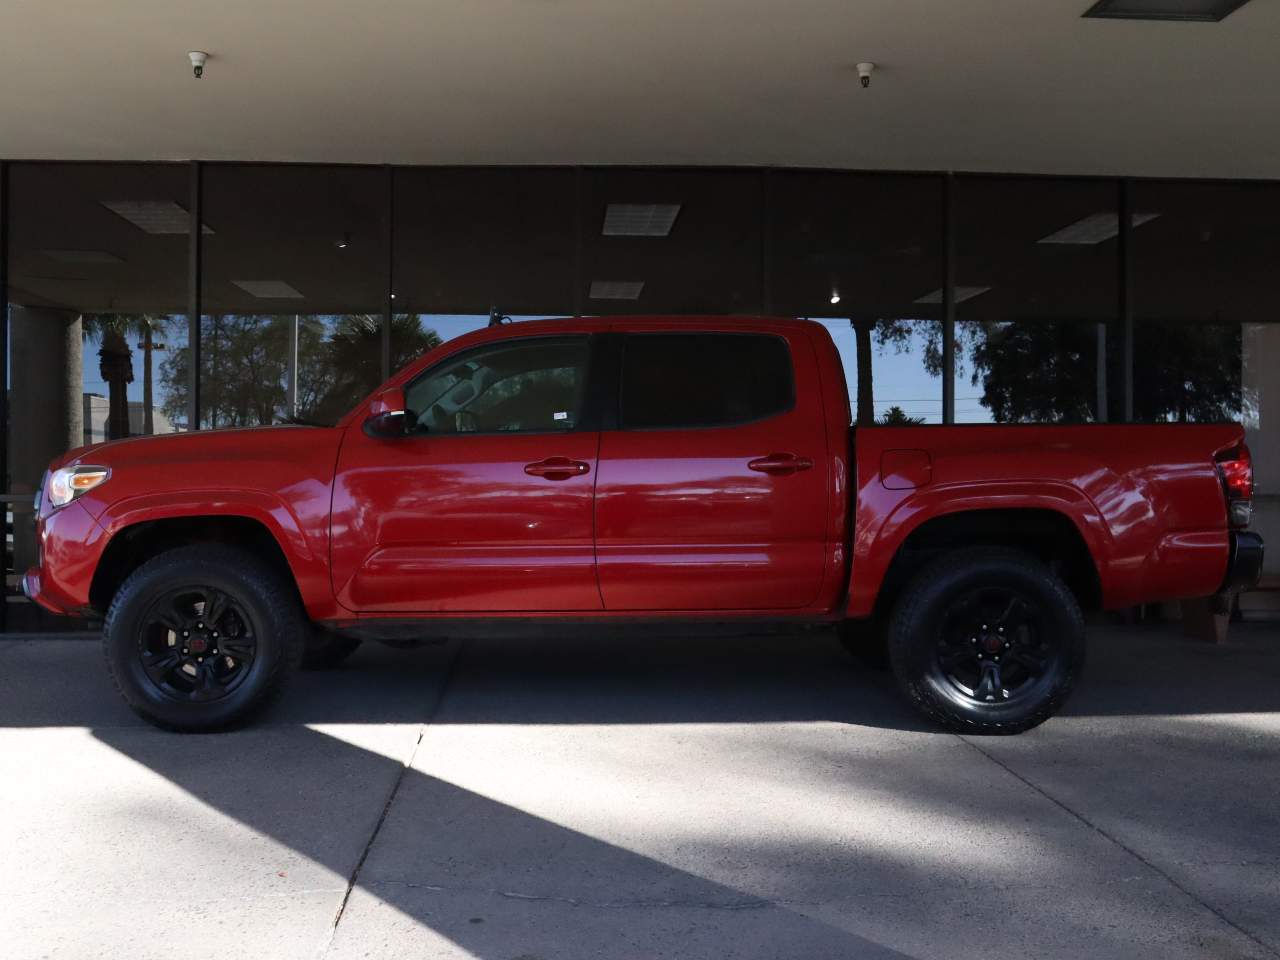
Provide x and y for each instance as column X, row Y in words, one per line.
column 835, row 297
column 865, row 69
column 81, row 256
column 268, row 289
column 1202, row 11
column 639, row 219
column 197, row 58
column 154, row 216
column 1095, row 228
column 344, row 242
column 961, row 294
column 616, row 289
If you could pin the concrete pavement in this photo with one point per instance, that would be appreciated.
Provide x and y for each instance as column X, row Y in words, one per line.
column 738, row 797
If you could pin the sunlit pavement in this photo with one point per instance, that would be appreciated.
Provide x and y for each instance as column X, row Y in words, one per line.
column 678, row 798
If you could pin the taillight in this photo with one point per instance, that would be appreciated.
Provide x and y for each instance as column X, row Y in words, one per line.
column 1235, row 467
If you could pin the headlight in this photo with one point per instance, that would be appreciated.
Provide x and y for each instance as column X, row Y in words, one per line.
column 71, row 482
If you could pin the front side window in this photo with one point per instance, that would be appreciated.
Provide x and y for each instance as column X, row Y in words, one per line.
column 687, row 380
column 519, row 386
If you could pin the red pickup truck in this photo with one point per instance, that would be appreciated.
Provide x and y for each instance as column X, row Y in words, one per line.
column 620, row 469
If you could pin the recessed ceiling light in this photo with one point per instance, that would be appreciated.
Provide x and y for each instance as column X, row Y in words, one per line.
column 154, row 216
column 82, row 256
column 268, row 289
column 344, row 242
column 1095, row 228
column 961, row 294
column 640, row 219
column 1209, row 11
column 616, row 289
column 835, row 297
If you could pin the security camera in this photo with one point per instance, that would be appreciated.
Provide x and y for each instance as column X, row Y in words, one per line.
column 198, row 57
column 864, row 73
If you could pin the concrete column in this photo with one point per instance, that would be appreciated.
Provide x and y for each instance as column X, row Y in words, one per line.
column 46, row 415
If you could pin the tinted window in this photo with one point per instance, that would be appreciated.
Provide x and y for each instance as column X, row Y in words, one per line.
column 517, row 386
column 704, row 380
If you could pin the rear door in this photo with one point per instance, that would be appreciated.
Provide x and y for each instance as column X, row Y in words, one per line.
column 712, row 492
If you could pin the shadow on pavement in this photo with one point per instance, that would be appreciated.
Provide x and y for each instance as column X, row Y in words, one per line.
column 667, row 679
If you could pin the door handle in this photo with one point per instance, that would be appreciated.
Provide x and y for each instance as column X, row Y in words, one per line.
column 779, row 464
column 557, row 468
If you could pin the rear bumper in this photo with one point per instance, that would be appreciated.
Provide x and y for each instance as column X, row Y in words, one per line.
column 1244, row 563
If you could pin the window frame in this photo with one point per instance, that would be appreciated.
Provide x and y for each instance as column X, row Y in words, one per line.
column 620, row 396
column 584, row 419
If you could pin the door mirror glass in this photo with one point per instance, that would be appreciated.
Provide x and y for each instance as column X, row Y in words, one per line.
column 386, row 418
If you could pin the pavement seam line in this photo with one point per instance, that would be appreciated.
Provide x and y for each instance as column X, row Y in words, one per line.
column 1168, row 878
column 406, row 766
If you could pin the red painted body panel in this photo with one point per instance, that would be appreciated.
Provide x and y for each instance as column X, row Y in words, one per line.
column 663, row 523
column 684, row 522
column 454, row 523
column 1147, row 500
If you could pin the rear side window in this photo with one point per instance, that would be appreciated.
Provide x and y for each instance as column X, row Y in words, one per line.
column 674, row 380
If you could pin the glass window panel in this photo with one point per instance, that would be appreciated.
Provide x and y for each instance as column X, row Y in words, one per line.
column 469, row 243
column 862, row 253
column 1035, row 272
column 96, row 300
column 522, row 386
column 671, row 381
column 671, row 242
column 296, row 260
column 1203, row 265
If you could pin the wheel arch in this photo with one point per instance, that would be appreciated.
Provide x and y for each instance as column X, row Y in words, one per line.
column 1050, row 535
column 133, row 544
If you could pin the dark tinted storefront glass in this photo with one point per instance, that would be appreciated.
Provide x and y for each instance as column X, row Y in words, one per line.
column 295, row 258
column 671, row 242
column 1036, row 296
column 1204, row 273
column 472, row 242
column 672, row 381
column 97, row 293
column 862, row 253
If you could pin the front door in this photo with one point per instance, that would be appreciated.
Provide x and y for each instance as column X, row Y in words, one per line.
column 485, row 506
column 712, row 495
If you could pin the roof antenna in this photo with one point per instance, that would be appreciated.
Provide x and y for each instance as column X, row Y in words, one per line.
column 497, row 319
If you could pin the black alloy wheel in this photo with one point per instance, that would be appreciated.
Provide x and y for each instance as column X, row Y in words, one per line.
column 197, row 643
column 994, row 646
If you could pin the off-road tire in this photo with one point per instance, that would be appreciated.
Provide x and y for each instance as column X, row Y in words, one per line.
column 268, row 602
column 923, row 621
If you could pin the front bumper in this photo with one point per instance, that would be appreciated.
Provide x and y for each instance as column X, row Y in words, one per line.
column 1244, row 563
column 71, row 544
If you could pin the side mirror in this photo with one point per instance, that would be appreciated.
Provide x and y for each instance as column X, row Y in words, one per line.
column 387, row 415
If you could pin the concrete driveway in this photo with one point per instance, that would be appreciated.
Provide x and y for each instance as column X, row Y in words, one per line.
column 677, row 798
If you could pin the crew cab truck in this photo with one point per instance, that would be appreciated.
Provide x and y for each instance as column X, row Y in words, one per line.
column 633, row 469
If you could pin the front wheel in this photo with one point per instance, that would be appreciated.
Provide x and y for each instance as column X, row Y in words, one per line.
column 987, row 640
column 202, row 637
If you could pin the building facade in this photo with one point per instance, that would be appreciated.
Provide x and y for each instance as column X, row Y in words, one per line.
column 1118, row 271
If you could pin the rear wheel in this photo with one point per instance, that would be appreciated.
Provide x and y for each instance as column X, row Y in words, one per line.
column 987, row 640
column 202, row 637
